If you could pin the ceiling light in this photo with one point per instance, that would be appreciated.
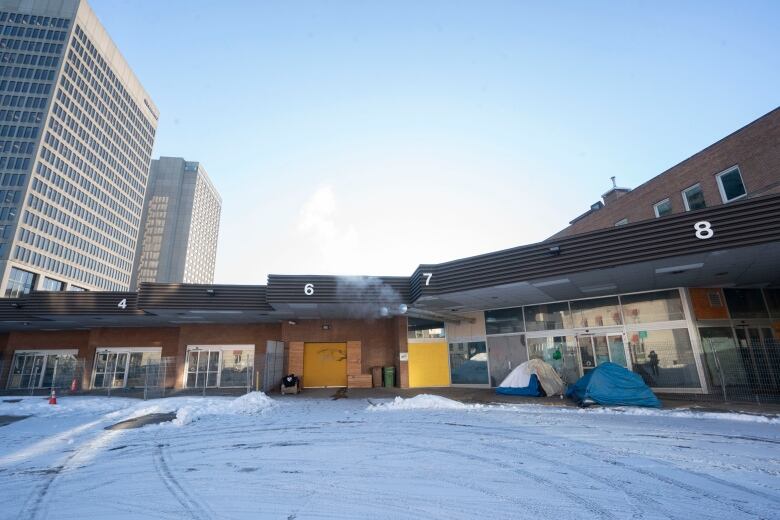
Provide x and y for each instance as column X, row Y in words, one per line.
column 675, row 268
column 599, row 288
column 551, row 282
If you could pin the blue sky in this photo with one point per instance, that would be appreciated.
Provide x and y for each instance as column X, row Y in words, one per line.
column 369, row 137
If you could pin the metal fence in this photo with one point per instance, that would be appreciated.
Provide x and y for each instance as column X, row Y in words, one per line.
column 155, row 375
column 744, row 372
column 748, row 372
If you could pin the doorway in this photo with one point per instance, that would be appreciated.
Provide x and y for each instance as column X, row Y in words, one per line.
column 597, row 349
column 203, row 368
column 324, row 365
column 110, row 370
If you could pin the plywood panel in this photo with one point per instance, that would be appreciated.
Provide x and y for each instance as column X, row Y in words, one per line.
column 428, row 364
column 708, row 304
column 324, row 365
column 361, row 381
column 295, row 359
column 354, row 358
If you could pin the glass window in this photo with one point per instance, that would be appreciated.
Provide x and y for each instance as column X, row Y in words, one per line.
column 419, row 328
column 693, row 198
column 60, row 371
column 19, row 282
column 139, row 361
column 558, row 351
column 652, row 307
column 468, row 363
column 237, row 366
column 621, row 222
column 724, row 363
column 773, row 301
column 597, row 312
column 662, row 208
column 549, row 316
column 664, row 358
column 731, row 185
column 745, row 303
column 50, row 284
column 504, row 321
column 76, row 288
column 505, row 353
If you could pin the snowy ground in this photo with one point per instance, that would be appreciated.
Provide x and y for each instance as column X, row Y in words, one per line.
column 426, row 457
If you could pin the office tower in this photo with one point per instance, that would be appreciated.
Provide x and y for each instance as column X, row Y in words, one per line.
column 76, row 135
column 180, row 225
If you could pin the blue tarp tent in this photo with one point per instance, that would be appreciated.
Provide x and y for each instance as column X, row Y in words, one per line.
column 611, row 384
column 534, row 389
column 533, row 378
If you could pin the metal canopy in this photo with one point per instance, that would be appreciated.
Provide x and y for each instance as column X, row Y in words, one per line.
column 744, row 251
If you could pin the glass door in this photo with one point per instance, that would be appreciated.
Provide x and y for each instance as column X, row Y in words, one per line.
column 601, row 348
column 27, row 371
column 595, row 350
column 110, row 370
column 617, row 350
column 587, row 356
column 203, row 368
column 758, row 352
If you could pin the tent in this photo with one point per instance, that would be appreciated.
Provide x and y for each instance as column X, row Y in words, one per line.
column 533, row 378
column 611, row 384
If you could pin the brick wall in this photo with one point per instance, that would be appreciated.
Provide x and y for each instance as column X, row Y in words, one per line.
column 755, row 148
column 380, row 342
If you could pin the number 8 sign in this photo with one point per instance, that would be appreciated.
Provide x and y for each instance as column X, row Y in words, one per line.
column 703, row 230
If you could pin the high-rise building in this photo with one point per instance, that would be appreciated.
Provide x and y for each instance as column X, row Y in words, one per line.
column 76, row 135
column 180, row 226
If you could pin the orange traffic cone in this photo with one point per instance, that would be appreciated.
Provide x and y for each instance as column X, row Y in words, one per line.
column 53, row 397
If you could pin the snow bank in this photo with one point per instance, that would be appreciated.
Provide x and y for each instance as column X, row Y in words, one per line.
column 251, row 403
column 687, row 413
column 680, row 413
column 66, row 405
column 424, row 402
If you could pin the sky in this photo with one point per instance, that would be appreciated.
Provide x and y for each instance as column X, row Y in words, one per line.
column 367, row 138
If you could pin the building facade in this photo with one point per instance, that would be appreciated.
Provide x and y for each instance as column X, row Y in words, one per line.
column 76, row 135
column 180, row 226
column 742, row 165
column 689, row 301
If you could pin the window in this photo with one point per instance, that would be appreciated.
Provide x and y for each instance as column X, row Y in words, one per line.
column 504, row 321
column 652, row 307
column 597, row 312
column 50, row 284
column 664, row 358
column 745, row 303
column 468, row 363
column 621, row 222
column 505, row 353
column 730, row 185
column 662, row 208
column 693, row 198
column 550, row 316
column 419, row 328
column 773, row 301
column 19, row 282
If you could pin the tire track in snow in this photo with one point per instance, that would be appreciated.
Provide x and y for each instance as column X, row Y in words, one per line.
column 608, row 456
column 592, row 507
column 194, row 508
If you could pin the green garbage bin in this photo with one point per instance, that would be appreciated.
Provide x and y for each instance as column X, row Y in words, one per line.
column 389, row 373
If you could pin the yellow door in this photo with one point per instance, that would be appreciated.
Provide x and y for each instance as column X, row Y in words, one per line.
column 429, row 364
column 324, row 364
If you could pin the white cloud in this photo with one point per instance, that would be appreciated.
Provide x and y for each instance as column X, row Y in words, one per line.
column 322, row 226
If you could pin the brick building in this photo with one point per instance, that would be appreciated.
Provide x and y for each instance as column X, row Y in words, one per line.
column 744, row 164
column 690, row 301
